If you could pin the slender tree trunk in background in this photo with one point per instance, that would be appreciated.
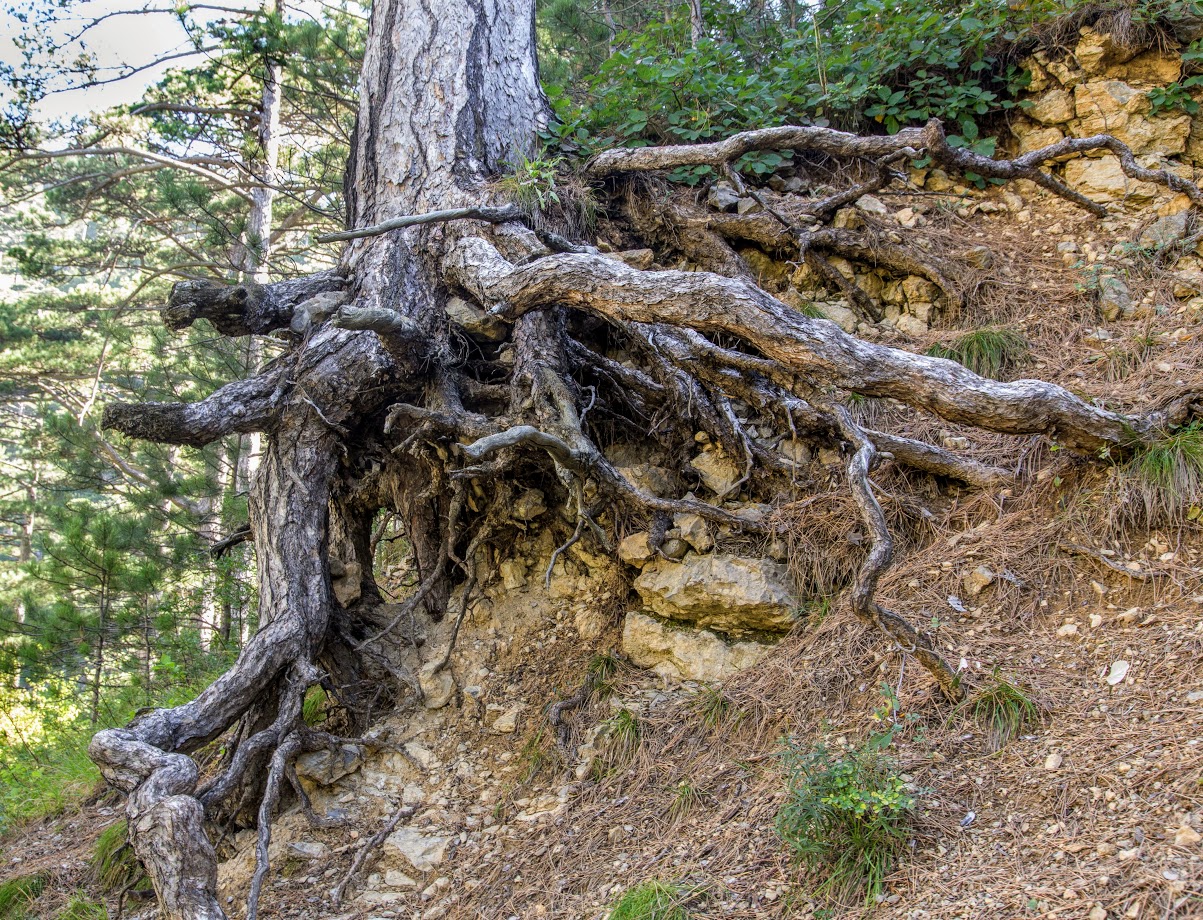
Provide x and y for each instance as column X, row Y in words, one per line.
column 25, row 556
column 101, row 636
column 697, row 24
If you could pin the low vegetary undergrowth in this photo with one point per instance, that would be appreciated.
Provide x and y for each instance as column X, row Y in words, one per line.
column 1003, row 709
column 18, row 894
column 986, row 352
column 652, row 900
column 1161, row 484
column 847, row 816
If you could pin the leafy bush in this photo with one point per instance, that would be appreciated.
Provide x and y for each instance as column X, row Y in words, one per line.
column 847, row 816
column 652, row 900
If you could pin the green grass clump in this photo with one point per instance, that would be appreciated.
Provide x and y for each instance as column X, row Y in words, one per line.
column 847, row 816
column 1003, row 709
column 652, row 900
column 81, row 907
column 18, row 894
column 1162, row 482
column 986, row 352
column 61, row 777
column 113, row 861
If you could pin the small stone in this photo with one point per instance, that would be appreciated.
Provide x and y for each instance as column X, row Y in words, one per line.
column 1097, row 913
column 871, row 205
column 1115, row 298
column 395, row 878
column 980, row 257
column 722, row 196
column 635, row 550
column 718, row 473
column 438, row 686
column 747, row 206
column 977, row 581
column 423, row 851
column 507, row 722
column 1128, row 617
column 1096, row 620
column 1195, row 696
column 310, row 849
column 1053, row 761
column 1067, row 630
column 694, row 531
column 529, row 505
column 1165, row 231
column 674, row 548
column 1186, row 836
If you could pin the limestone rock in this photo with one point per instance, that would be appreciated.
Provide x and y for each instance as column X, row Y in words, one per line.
column 635, row 550
column 513, row 574
column 326, row 767
column 911, row 324
column 437, row 687
column 977, row 581
column 1097, row 51
column 1032, row 136
column 1149, row 67
column 838, row 314
column 694, row 531
column 636, row 258
column 1103, row 179
column 1186, row 836
column 1114, row 107
column 1115, row 299
column 1165, row 231
column 529, row 505
column 731, row 594
column 872, row 205
column 475, row 321
column 422, row 851
column 655, row 479
column 719, row 473
column 722, row 197
column 681, row 652
column 507, row 722
column 1053, row 108
column 309, row 849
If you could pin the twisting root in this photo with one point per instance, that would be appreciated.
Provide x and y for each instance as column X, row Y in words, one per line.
column 555, row 712
column 405, row 811
column 289, row 749
column 881, row 552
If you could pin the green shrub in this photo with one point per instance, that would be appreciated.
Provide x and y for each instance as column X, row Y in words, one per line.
column 847, row 816
column 114, row 863
column 652, row 900
column 18, row 894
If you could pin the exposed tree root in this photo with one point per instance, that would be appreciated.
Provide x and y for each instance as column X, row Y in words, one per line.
column 881, row 552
